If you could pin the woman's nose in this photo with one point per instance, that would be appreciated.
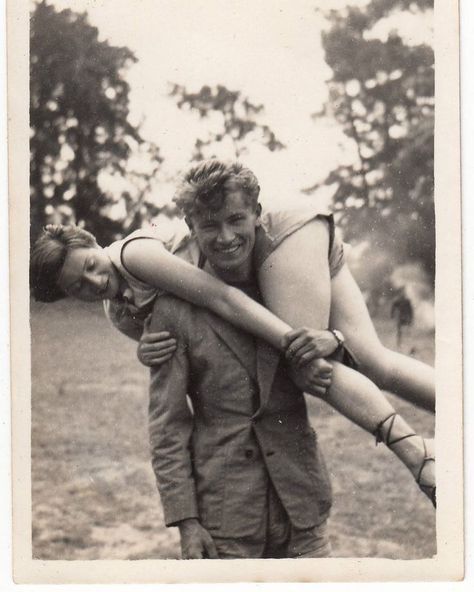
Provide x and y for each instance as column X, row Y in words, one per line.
column 93, row 280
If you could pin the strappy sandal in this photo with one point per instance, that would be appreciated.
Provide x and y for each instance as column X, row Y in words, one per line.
column 427, row 489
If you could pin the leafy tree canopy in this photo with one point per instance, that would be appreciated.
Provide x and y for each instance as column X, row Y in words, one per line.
column 237, row 119
column 382, row 93
column 79, row 110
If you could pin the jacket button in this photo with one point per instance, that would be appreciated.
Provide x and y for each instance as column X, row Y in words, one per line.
column 270, row 453
column 249, row 454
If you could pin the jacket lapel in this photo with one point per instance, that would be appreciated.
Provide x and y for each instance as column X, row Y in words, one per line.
column 267, row 363
column 267, row 358
column 232, row 338
column 263, row 371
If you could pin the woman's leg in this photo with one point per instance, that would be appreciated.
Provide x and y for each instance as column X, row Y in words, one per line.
column 295, row 284
column 408, row 378
column 294, row 279
column 292, row 290
column 358, row 399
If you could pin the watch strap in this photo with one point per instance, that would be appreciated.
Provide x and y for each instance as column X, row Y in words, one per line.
column 339, row 337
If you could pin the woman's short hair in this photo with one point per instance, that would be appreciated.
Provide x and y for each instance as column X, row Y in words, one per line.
column 48, row 255
column 206, row 185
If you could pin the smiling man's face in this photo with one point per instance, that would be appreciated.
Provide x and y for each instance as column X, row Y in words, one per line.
column 226, row 236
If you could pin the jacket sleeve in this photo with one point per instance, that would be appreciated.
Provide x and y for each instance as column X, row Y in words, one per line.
column 171, row 420
column 123, row 320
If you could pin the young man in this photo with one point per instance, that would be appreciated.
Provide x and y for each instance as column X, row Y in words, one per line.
column 241, row 475
column 230, row 240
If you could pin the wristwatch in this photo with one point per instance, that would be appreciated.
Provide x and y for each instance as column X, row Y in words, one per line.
column 339, row 337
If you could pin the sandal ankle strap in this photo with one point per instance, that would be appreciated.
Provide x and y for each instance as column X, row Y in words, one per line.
column 379, row 436
column 429, row 490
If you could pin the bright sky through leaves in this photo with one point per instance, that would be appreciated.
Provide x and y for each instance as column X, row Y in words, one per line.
column 269, row 50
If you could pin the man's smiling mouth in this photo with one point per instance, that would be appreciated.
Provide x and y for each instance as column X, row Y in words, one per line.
column 228, row 250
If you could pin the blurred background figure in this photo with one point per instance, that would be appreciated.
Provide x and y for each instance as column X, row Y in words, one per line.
column 402, row 313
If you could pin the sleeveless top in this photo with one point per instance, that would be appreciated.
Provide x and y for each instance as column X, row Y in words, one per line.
column 135, row 300
column 277, row 226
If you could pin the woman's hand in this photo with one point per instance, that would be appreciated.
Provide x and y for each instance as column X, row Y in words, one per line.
column 314, row 377
column 155, row 349
column 304, row 345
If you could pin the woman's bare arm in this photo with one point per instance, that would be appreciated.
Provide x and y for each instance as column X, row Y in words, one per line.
column 149, row 262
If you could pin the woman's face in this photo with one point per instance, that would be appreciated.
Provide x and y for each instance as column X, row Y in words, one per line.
column 89, row 274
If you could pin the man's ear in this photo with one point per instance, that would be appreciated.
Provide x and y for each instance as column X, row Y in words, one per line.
column 258, row 211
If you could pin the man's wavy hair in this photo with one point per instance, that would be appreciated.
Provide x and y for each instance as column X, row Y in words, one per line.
column 48, row 255
column 205, row 186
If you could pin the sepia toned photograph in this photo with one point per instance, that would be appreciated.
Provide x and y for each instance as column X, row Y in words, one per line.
column 234, row 271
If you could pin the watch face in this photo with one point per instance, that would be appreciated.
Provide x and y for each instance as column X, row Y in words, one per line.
column 339, row 336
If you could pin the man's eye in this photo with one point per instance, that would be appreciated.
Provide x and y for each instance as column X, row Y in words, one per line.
column 90, row 264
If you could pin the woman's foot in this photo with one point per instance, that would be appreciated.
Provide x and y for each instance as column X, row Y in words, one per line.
column 413, row 450
column 426, row 477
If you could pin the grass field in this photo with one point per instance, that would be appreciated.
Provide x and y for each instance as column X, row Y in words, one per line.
column 93, row 490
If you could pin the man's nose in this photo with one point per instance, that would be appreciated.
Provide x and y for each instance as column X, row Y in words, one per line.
column 226, row 235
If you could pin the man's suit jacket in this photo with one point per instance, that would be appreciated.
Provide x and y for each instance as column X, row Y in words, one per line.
column 249, row 424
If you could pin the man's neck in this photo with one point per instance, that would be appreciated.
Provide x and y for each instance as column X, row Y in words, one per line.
column 233, row 276
column 247, row 282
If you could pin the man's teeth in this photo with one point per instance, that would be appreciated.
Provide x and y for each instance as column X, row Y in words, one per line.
column 229, row 249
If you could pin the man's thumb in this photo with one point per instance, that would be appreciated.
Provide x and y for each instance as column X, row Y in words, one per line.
column 211, row 550
column 147, row 324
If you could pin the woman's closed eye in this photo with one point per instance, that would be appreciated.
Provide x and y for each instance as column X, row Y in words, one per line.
column 208, row 226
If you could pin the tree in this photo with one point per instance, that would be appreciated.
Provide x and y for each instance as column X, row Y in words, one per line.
column 236, row 119
column 79, row 111
column 381, row 92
